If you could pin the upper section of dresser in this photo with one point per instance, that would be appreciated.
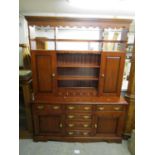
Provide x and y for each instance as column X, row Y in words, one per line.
column 77, row 57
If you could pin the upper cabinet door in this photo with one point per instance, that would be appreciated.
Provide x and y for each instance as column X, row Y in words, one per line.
column 111, row 73
column 44, row 71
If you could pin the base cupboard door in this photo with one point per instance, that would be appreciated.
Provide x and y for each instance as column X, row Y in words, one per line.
column 48, row 125
column 109, row 124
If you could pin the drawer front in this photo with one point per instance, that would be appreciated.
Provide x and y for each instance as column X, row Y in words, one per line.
column 78, row 116
column 78, row 125
column 46, row 109
column 76, row 92
column 109, row 108
column 78, row 133
column 81, row 108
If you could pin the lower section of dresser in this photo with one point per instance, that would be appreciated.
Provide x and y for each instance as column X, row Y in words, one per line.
column 78, row 139
column 79, row 122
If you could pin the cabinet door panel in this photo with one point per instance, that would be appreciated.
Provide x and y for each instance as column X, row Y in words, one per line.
column 48, row 124
column 111, row 73
column 110, row 123
column 106, row 125
column 44, row 71
column 43, row 67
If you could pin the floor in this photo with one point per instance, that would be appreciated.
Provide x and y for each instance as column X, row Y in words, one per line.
column 28, row 147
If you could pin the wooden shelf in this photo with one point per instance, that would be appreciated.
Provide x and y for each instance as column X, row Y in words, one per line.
column 77, row 52
column 78, row 66
column 80, row 40
column 85, row 40
column 81, row 78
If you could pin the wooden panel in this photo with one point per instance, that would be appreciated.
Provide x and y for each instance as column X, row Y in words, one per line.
column 47, row 120
column 100, row 108
column 78, row 116
column 110, row 123
column 78, row 58
column 71, row 99
column 74, row 125
column 80, row 108
column 68, row 21
column 92, row 72
column 47, row 109
column 106, row 125
column 44, row 71
column 78, row 82
column 43, row 67
column 111, row 73
column 50, row 124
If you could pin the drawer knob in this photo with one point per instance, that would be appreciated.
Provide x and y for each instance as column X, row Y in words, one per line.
column 40, row 107
column 56, row 107
column 117, row 108
column 102, row 75
column 85, row 133
column 101, row 108
column 70, row 125
column 85, row 125
column 95, row 126
column 70, row 116
column 86, row 108
column 71, row 107
column 60, row 125
column 53, row 75
column 70, row 133
column 86, row 117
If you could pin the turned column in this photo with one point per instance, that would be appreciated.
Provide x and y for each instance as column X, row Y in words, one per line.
column 130, row 98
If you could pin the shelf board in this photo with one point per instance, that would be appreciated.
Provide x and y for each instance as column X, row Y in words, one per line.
column 89, row 40
column 81, row 40
column 77, row 52
column 77, row 78
column 78, row 66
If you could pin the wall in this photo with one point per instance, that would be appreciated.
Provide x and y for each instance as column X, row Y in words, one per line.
column 23, row 36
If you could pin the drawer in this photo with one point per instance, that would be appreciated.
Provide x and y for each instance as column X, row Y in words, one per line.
column 81, row 108
column 73, row 116
column 76, row 92
column 78, row 125
column 78, row 133
column 41, row 108
column 109, row 108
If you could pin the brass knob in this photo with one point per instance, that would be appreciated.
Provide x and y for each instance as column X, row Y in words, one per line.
column 101, row 108
column 53, row 75
column 56, row 107
column 85, row 125
column 117, row 108
column 86, row 117
column 102, row 75
column 86, row 108
column 40, row 107
column 60, row 125
column 70, row 125
column 95, row 125
column 71, row 107
column 71, row 116
column 70, row 133
column 85, row 133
